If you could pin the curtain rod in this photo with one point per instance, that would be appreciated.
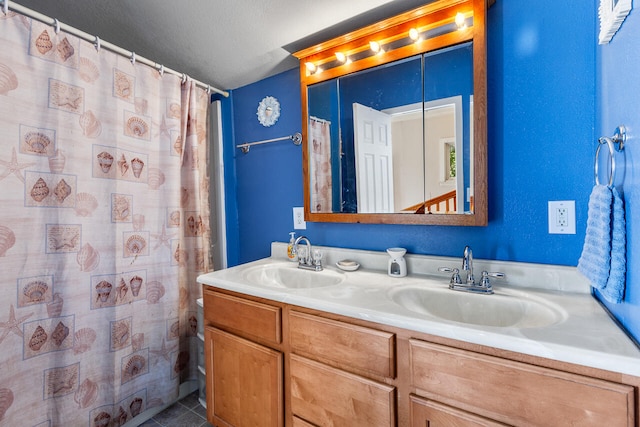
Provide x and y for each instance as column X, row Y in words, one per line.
column 318, row 119
column 102, row 44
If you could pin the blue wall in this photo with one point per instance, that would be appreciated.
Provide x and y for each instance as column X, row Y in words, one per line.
column 541, row 116
column 268, row 181
column 618, row 102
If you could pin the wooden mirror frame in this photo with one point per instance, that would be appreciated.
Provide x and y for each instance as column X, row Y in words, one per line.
column 430, row 16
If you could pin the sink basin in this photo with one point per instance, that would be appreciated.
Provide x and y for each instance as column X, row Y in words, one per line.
column 505, row 308
column 289, row 276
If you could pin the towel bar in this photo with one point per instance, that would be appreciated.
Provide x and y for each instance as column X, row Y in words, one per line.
column 619, row 138
column 296, row 138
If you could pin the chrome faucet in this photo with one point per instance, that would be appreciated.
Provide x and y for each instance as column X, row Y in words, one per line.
column 467, row 265
column 307, row 261
column 470, row 285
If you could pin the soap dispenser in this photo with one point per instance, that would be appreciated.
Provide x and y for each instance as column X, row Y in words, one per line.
column 397, row 263
column 290, row 252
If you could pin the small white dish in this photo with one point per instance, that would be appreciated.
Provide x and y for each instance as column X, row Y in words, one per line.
column 347, row 265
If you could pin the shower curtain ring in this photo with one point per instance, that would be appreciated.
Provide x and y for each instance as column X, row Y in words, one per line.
column 97, row 44
column 184, row 78
column 208, row 89
column 5, row 7
column 56, row 25
column 161, row 70
column 133, row 58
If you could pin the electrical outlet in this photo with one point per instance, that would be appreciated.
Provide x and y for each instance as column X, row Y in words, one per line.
column 298, row 219
column 562, row 217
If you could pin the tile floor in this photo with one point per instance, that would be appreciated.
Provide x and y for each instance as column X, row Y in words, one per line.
column 186, row 413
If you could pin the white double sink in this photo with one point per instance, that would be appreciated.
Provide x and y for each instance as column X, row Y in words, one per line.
column 504, row 308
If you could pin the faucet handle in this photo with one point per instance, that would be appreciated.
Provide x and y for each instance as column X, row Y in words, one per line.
column 302, row 255
column 485, row 277
column 317, row 257
column 455, row 277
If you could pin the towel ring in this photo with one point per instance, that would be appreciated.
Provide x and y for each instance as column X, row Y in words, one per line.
column 619, row 138
column 612, row 151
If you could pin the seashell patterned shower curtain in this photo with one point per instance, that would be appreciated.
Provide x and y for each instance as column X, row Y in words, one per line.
column 103, row 230
column 320, row 165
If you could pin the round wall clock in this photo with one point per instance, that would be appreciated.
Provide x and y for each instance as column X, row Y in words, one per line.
column 268, row 111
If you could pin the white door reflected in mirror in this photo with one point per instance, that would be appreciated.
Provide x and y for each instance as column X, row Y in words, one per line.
column 374, row 160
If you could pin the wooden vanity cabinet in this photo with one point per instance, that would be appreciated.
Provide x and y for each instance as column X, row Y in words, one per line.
column 273, row 364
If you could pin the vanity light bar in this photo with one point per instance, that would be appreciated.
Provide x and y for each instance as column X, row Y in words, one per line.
column 387, row 42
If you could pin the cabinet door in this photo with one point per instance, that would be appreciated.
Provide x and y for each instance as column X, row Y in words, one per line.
column 326, row 396
column 244, row 381
column 433, row 414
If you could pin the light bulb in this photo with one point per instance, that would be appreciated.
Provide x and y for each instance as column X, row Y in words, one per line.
column 460, row 21
column 311, row 67
column 341, row 57
column 414, row 34
column 375, row 46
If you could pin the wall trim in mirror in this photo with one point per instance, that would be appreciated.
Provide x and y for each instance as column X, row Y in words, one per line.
column 352, row 170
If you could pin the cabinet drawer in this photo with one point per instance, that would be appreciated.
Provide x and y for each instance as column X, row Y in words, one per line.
column 245, row 317
column 349, row 347
column 327, row 396
column 517, row 393
column 425, row 412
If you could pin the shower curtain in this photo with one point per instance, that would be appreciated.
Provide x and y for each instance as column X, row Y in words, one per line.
column 320, row 164
column 103, row 224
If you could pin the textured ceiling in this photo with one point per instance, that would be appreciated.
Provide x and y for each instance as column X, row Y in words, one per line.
column 225, row 43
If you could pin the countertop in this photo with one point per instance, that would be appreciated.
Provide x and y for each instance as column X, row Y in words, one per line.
column 587, row 335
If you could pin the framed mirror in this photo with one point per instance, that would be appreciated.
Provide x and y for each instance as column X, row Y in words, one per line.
column 398, row 136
